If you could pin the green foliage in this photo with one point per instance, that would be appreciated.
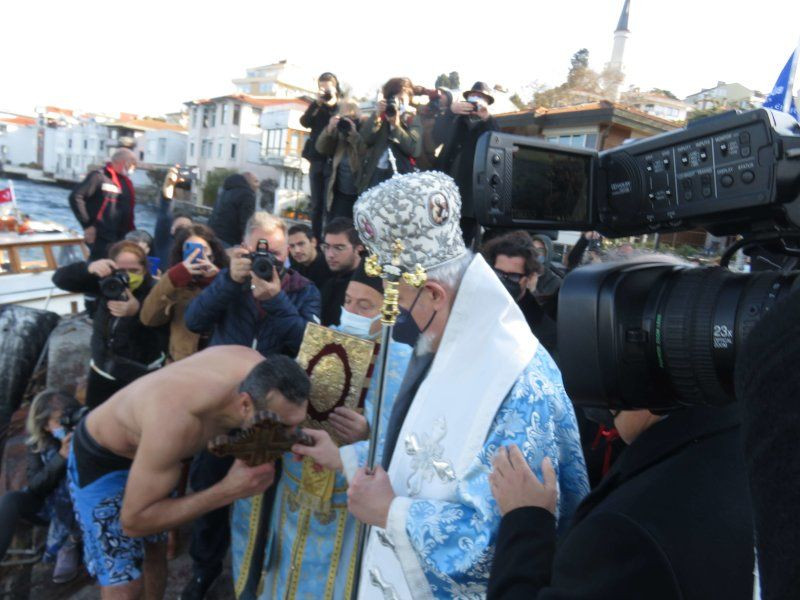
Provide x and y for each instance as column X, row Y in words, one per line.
column 156, row 176
column 706, row 112
column 455, row 81
column 451, row 82
column 666, row 93
column 519, row 102
column 213, row 181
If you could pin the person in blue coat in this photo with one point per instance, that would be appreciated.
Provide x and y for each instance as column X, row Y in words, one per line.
column 268, row 315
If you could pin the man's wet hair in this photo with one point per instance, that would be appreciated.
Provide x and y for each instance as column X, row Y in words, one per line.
column 280, row 373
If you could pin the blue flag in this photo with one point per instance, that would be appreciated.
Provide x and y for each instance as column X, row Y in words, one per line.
column 781, row 96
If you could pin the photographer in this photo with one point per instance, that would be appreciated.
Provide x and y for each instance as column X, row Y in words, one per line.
column 340, row 141
column 394, row 129
column 268, row 314
column 123, row 349
column 670, row 520
column 316, row 118
column 459, row 129
column 46, row 498
column 197, row 256
column 103, row 203
column 169, row 220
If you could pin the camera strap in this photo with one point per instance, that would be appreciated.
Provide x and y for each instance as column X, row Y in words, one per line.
column 106, row 197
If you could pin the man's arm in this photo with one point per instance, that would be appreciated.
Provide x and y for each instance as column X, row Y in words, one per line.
column 207, row 308
column 77, row 199
column 307, row 120
column 410, row 140
column 246, row 206
column 166, row 438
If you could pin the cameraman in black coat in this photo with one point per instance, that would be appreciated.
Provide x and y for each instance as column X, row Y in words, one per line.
column 234, row 206
column 671, row 519
column 123, row 349
column 459, row 129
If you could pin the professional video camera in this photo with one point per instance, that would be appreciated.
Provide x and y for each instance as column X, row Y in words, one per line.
column 264, row 261
column 114, row 286
column 654, row 332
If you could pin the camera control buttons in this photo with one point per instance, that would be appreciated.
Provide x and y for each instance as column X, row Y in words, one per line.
column 494, row 180
column 726, row 180
column 495, row 159
column 745, row 151
column 748, row 176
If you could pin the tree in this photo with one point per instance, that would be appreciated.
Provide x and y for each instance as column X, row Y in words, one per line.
column 579, row 65
column 451, row 82
column 442, row 81
column 519, row 102
column 666, row 93
column 213, row 182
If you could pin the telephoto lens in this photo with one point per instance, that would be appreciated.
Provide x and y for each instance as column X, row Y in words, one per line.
column 657, row 333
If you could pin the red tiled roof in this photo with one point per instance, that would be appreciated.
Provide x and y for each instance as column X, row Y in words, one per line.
column 601, row 105
column 254, row 100
column 149, row 124
column 25, row 121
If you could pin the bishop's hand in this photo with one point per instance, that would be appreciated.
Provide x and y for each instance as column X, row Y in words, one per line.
column 370, row 496
column 324, row 452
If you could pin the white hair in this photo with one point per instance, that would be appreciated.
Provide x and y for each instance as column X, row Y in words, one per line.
column 265, row 221
column 452, row 272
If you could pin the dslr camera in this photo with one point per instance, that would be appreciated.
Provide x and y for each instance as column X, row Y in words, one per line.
column 326, row 96
column 264, row 262
column 391, row 106
column 70, row 418
column 344, row 125
column 115, row 286
column 655, row 332
column 186, row 175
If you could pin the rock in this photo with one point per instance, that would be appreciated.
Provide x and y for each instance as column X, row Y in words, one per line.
column 23, row 334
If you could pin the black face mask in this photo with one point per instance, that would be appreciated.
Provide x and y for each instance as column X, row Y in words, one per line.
column 406, row 330
column 514, row 288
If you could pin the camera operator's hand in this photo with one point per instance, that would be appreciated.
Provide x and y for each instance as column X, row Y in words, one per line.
column 240, row 264
column 265, row 289
column 333, row 123
column 514, row 485
column 242, row 481
column 124, row 308
column 90, row 234
column 462, row 108
column 483, row 112
column 350, row 425
column 592, row 235
column 168, row 188
column 381, row 108
column 102, row 268
column 64, row 450
column 324, row 452
column 394, row 122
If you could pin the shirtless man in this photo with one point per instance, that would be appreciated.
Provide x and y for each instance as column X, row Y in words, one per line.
column 126, row 457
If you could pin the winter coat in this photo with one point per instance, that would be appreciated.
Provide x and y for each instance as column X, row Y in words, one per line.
column 43, row 475
column 99, row 202
column 405, row 142
column 671, row 520
column 234, row 206
column 167, row 303
column 316, row 119
column 351, row 149
column 271, row 326
column 116, row 341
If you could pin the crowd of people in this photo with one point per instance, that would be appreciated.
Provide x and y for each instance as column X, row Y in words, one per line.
column 483, row 462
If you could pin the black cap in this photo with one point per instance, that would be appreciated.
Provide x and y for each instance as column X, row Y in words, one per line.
column 479, row 88
column 360, row 275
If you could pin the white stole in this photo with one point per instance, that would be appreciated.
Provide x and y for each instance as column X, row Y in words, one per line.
column 485, row 347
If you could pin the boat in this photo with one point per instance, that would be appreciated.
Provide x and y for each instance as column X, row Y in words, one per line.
column 30, row 252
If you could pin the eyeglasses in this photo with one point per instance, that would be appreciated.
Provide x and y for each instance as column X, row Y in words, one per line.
column 512, row 277
column 335, row 248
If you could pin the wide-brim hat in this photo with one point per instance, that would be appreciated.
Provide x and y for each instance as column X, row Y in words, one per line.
column 479, row 88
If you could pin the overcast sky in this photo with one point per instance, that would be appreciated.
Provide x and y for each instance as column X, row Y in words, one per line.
column 153, row 56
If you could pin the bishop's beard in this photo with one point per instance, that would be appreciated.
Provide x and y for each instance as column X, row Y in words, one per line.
column 424, row 344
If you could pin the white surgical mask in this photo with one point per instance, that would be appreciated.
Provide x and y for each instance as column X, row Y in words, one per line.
column 356, row 325
column 131, row 171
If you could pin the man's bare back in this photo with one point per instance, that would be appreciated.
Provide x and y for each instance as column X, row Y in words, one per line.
column 195, row 392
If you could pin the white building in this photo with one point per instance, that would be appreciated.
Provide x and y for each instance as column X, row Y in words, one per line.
column 282, row 141
column 18, row 139
column 158, row 143
column 72, row 150
column 726, row 95
column 278, row 80
column 657, row 104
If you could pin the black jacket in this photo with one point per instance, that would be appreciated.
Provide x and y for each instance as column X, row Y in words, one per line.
column 44, row 477
column 542, row 326
column 234, row 206
column 318, row 271
column 116, row 340
column 98, row 202
column 316, row 119
column 670, row 520
column 333, row 297
column 460, row 134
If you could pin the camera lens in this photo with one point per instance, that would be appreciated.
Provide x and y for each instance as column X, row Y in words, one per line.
column 649, row 334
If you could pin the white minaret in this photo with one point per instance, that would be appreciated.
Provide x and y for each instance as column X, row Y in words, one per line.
column 615, row 65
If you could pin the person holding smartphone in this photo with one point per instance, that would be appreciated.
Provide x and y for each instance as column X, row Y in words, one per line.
column 195, row 259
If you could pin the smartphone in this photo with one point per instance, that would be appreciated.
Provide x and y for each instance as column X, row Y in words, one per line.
column 190, row 247
column 154, row 263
